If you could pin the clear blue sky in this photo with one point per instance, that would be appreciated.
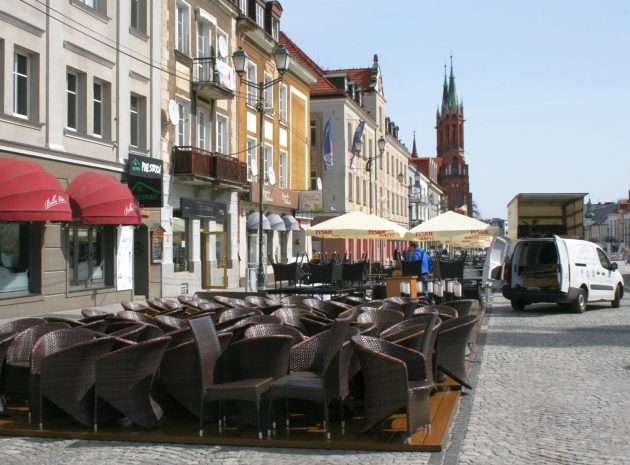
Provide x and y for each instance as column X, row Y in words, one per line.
column 545, row 83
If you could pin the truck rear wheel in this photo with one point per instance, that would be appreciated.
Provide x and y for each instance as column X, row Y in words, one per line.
column 518, row 304
column 579, row 304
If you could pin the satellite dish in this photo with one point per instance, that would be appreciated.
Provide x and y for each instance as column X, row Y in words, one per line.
column 319, row 184
column 222, row 46
column 253, row 169
column 173, row 112
column 271, row 175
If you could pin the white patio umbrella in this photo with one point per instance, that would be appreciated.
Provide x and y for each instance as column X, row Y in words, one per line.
column 358, row 225
column 453, row 228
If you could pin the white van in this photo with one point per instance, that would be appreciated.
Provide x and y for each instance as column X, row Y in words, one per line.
column 569, row 272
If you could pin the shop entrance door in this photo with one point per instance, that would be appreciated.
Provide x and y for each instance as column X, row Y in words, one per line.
column 214, row 261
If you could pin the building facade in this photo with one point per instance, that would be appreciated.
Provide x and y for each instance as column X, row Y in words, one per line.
column 80, row 95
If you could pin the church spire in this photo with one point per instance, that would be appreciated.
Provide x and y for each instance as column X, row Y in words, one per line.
column 445, row 90
column 452, row 92
column 414, row 150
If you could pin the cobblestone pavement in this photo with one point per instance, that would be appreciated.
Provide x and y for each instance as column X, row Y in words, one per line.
column 551, row 388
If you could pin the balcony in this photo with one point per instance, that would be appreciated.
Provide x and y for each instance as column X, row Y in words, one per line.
column 198, row 167
column 213, row 79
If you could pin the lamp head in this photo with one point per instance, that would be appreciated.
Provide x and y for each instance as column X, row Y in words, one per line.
column 240, row 59
column 381, row 144
column 401, row 178
column 281, row 57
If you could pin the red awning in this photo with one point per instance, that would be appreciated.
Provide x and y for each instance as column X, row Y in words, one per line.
column 102, row 199
column 28, row 193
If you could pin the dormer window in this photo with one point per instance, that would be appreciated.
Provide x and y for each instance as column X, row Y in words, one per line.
column 242, row 4
column 275, row 28
column 260, row 15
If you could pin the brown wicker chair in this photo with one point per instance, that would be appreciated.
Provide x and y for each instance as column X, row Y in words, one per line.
column 67, row 379
column 238, row 329
column 452, row 341
column 134, row 306
column 18, row 360
column 382, row 318
column 313, row 376
column 46, row 345
column 326, row 308
column 94, row 312
column 290, row 272
column 291, row 316
column 14, row 327
column 266, row 305
column 232, row 315
column 124, row 379
column 445, row 309
column 465, row 307
column 271, row 329
column 395, row 379
column 208, row 349
column 294, row 299
column 231, row 302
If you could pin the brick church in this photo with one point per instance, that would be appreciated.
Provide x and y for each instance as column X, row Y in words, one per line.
column 452, row 167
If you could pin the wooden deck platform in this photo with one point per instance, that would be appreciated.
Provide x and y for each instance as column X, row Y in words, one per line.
column 182, row 428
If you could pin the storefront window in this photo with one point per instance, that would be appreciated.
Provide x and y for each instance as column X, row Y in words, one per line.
column 14, row 263
column 180, row 244
column 85, row 257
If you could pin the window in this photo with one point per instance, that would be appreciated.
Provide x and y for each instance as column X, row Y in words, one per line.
column 137, row 121
column 284, row 105
column 252, row 91
column 183, row 28
column 14, row 264
column 87, row 265
column 268, row 163
column 251, row 158
column 21, row 85
column 138, row 19
column 72, row 93
column 268, row 91
column 350, row 190
column 99, row 6
column 313, row 132
column 202, row 129
column 90, row 3
column 275, row 28
column 260, row 15
column 222, row 135
column 203, row 39
column 284, row 170
column 180, row 243
column 183, row 127
column 350, row 136
column 242, row 4
column 97, row 103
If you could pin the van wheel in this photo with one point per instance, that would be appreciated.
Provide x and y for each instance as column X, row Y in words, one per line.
column 617, row 300
column 518, row 304
column 579, row 304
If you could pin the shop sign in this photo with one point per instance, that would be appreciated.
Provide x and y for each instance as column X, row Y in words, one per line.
column 311, row 201
column 193, row 208
column 145, row 180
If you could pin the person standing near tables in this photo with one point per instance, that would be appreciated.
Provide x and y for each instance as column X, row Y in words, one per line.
column 415, row 252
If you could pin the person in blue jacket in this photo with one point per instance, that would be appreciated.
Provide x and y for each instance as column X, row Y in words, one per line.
column 415, row 252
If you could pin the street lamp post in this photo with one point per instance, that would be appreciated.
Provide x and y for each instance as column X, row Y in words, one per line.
column 240, row 59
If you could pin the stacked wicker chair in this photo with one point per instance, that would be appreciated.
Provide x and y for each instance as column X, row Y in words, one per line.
column 395, row 379
column 244, row 388
column 124, row 378
column 310, row 367
column 452, row 342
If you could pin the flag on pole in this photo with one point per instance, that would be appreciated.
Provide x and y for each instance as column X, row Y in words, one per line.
column 357, row 136
column 328, row 146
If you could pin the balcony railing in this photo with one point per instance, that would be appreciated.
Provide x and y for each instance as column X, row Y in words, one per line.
column 213, row 78
column 209, row 166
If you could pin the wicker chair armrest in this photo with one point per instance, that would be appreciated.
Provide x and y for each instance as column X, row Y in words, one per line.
column 414, row 360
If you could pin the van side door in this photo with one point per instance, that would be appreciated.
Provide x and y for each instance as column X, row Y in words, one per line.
column 493, row 266
column 564, row 268
column 605, row 274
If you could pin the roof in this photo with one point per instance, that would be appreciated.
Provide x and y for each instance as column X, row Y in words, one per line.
column 323, row 86
column 601, row 212
column 549, row 198
column 360, row 76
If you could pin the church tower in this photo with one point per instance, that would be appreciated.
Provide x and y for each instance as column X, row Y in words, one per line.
column 453, row 170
